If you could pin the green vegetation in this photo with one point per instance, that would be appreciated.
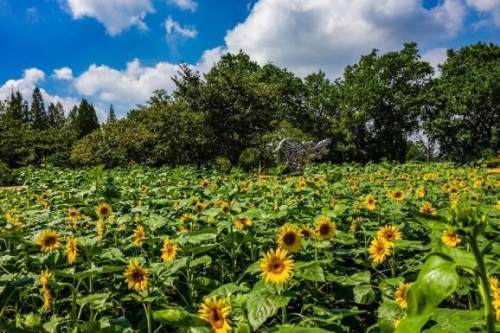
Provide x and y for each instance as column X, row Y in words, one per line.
column 402, row 248
column 386, row 107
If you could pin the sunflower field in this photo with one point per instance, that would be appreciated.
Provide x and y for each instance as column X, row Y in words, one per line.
column 344, row 248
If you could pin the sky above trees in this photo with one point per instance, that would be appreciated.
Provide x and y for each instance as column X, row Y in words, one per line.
column 119, row 51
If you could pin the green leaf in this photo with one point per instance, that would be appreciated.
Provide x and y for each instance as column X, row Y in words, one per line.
column 311, row 271
column 455, row 321
column 260, row 307
column 363, row 294
column 437, row 280
column 178, row 318
column 301, row 330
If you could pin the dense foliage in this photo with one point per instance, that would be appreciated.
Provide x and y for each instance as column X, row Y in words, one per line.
column 380, row 248
column 388, row 106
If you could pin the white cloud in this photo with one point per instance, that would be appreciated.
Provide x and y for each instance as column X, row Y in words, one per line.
column 64, row 73
column 329, row 34
column 132, row 85
column 184, row 4
column 174, row 28
column 115, row 15
column 25, row 85
column 487, row 6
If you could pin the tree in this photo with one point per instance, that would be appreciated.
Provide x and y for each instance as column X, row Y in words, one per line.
column 55, row 113
column 14, row 107
column 38, row 112
column 85, row 121
column 463, row 114
column 111, row 115
column 382, row 97
column 321, row 104
column 238, row 103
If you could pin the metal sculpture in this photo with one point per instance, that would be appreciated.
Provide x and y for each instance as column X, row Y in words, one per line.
column 296, row 154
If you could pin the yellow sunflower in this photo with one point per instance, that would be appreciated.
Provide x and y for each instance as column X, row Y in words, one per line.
column 45, row 276
column 13, row 217
column 48, row 240
column 450, row 238
column 241, row 223
column 427, row 209
column 325, row 228
column 379, row 249
column 169, row 250
column 289, row 238
column 397, row 195
column 420, row 192
column 401, row 295
column 276, row 267
column 139, row 235
column 136, row 276
column 307, row 231
column 226, row 207
column 495, row 294
column 73, row 216
column 389, row 233
column 71, row 249
column 216, row 312
column 205, row 183
column 104, row 210
column 370, row 202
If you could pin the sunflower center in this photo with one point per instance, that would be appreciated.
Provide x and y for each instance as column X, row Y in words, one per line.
column 138, row 275
column 389, row 235
column 380, row 250
column 324, row 229
column 104, row 211
column 50, row 241
column 276, row 266
column 289, row 238
column 217, row 319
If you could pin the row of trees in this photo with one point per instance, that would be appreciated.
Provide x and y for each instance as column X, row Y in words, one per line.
column 377, row 110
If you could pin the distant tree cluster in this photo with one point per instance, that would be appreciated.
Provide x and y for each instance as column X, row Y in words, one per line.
column 376, row 111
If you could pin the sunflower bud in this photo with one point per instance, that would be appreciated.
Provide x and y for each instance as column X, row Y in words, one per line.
column 467, row 217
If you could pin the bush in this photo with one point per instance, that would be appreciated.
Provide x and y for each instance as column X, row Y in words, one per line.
column 250, row 158
column 6, row 175
column 115, row 144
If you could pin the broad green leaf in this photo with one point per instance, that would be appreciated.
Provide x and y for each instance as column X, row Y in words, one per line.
column 311, row 271
column 261, row 307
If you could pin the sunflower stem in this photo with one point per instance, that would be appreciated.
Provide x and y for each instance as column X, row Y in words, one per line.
column 484, row 288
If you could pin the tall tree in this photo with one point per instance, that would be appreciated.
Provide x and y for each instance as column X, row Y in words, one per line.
column 14, row 108
column 464, row 104
column 55, row 114
column 111, row 115
column 38, row 112
column 382, row 96
column 86, row 119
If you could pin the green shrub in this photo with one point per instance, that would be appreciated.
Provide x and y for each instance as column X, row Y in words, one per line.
column 6, row 175
column 250, row 158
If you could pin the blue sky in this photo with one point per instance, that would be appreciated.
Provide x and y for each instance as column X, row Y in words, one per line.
column 119, row 51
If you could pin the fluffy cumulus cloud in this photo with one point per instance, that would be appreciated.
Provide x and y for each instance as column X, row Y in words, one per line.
column 488, row 7
column 25, row 85
column 133, row 84
column 329, row 34
column 184, row 4
column 174, row 28
column 115, row 15
column 64, row 73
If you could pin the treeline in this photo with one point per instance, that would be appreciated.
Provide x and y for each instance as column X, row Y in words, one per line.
column 377, row 110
